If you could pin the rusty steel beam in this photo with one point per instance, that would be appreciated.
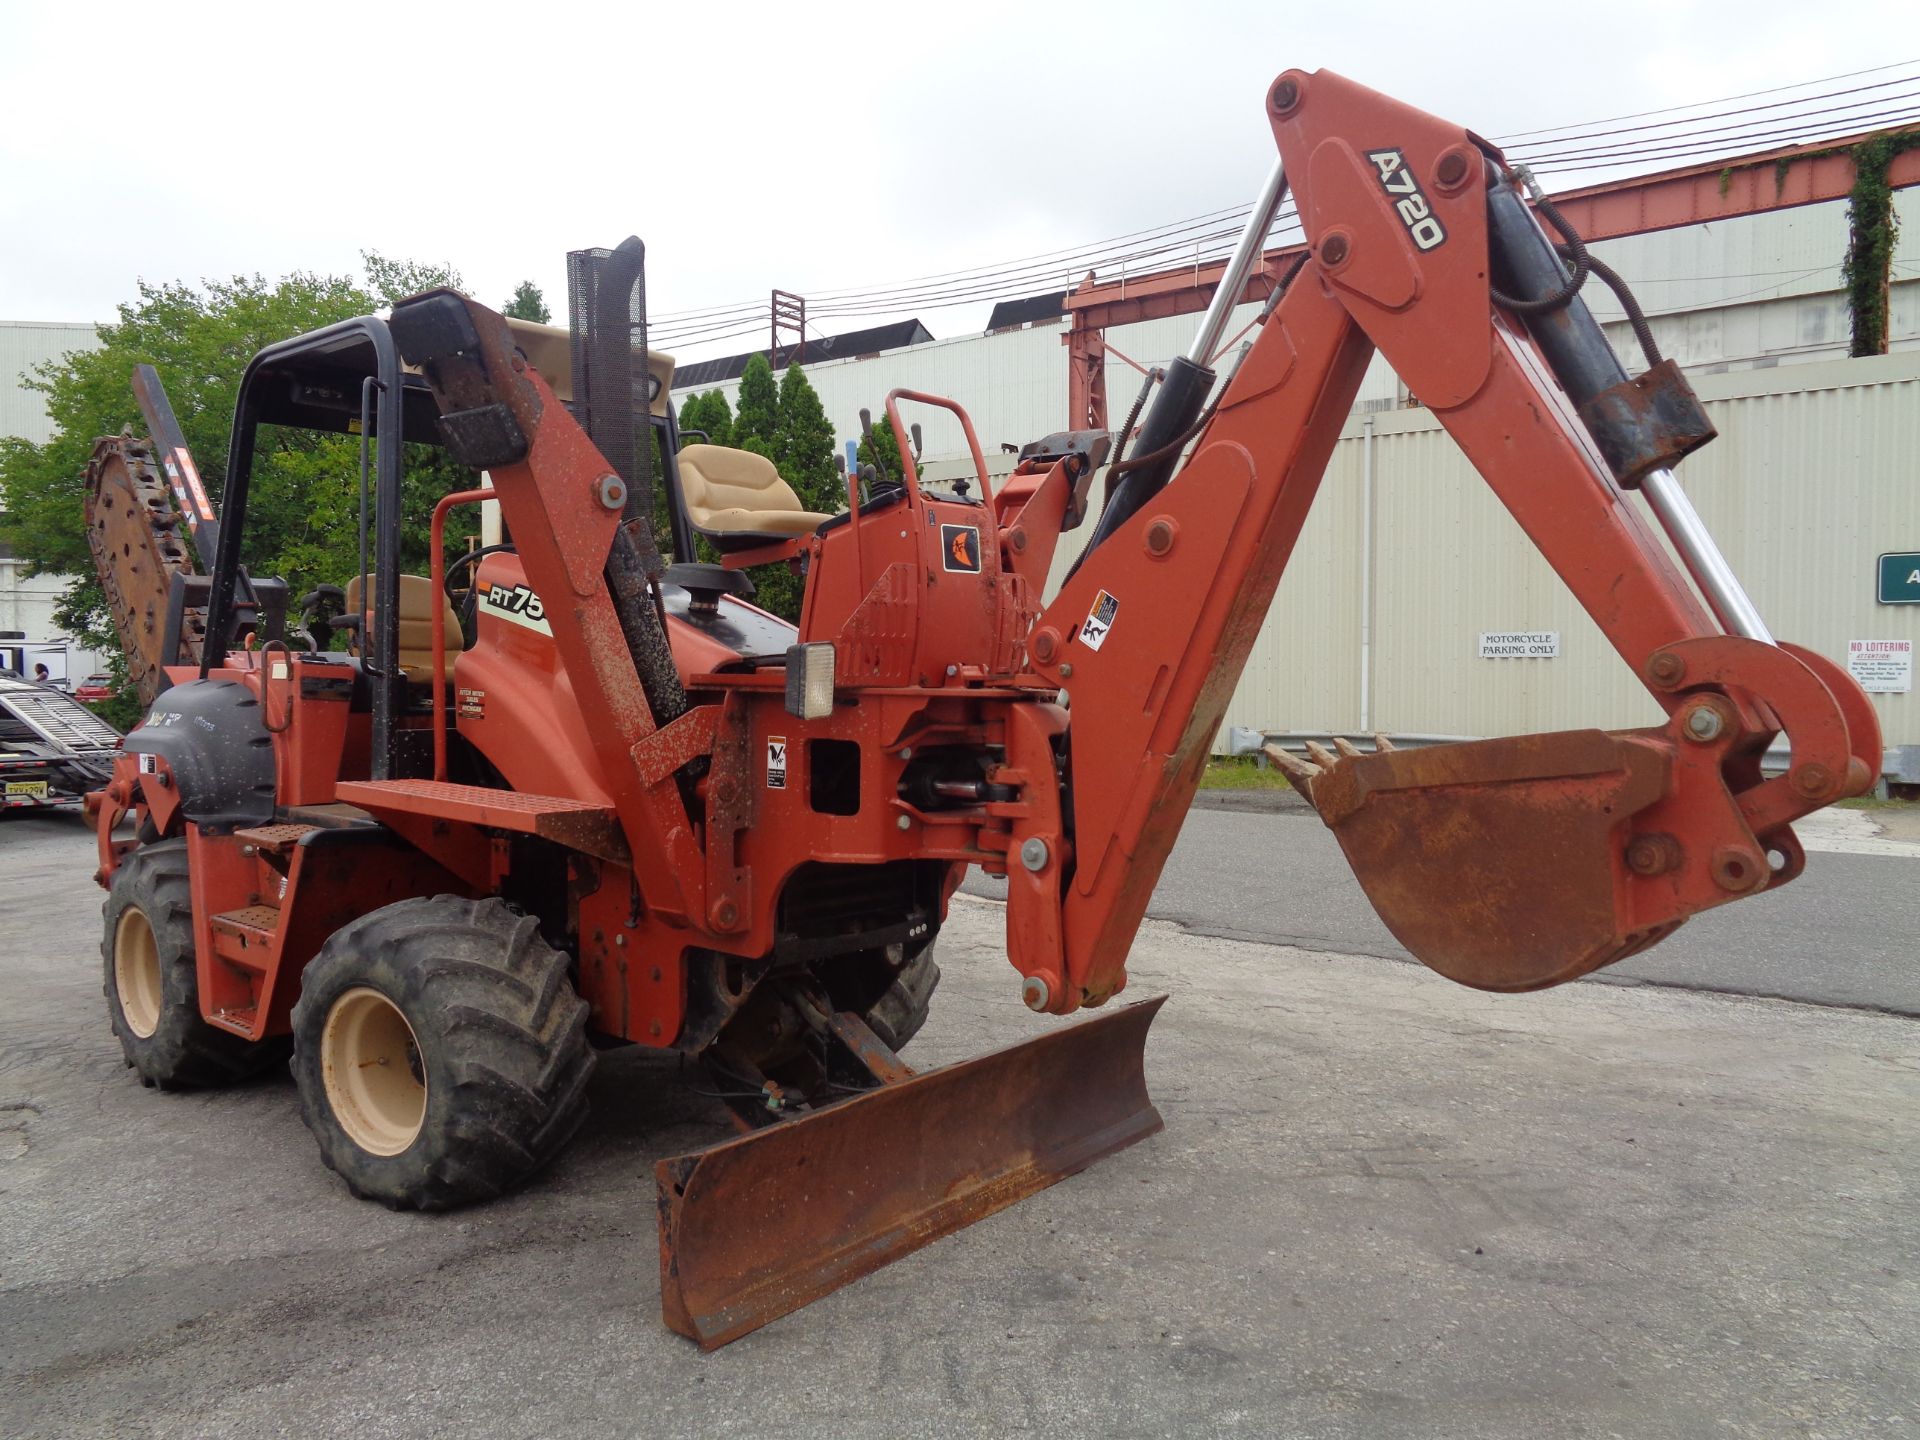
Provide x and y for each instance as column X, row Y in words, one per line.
column 1778, row 179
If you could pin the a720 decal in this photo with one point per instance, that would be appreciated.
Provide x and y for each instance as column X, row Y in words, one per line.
column 1409, row 200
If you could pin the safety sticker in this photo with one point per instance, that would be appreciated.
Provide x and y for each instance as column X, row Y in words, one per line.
column 516, row 603
column 960, row 548
column 1099, row 620
column 473, row 704
column 776, row 762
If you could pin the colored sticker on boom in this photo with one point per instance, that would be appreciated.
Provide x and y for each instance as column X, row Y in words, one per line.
column 1099, row 620
column 960, row 548
column 776, row 762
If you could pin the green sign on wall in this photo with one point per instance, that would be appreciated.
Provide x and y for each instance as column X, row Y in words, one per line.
column 1899, row 578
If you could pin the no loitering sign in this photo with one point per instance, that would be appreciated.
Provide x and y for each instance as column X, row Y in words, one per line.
column 1519, row 644
column 1883, row 667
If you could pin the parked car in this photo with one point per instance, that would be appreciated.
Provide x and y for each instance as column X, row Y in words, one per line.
column 94, row 687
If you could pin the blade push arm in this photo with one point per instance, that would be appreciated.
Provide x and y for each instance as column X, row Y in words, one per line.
column 1149, row 636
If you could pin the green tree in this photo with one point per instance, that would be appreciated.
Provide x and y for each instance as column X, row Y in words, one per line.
column 884, row 450
column 392, row 281
column 756, row 423
column 711, row 415
column 804, row 452
column 302, row 519
column 528, row 304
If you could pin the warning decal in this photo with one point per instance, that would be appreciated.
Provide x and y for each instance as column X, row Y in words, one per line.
column 776, row 762
column 1099, row 620
column 960, row 548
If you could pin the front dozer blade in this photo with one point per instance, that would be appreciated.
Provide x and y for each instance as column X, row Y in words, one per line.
column 755, row 1228
column 1500, row 863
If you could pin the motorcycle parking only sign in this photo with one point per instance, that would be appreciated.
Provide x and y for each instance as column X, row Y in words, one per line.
column 1519, row 644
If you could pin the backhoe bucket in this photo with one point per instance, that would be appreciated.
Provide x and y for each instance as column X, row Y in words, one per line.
column 757, row 1227
column 1500, row 863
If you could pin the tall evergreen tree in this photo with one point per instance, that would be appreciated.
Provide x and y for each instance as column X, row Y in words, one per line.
column 884, row 451
column 709, row 414
column 756, row 424
column 804, row 452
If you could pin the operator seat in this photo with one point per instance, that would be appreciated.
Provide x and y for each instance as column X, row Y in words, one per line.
column 416, row 626
column 737, row 499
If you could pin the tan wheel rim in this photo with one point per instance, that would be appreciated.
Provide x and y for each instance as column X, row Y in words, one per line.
column 370, row 1063
column 136, row 972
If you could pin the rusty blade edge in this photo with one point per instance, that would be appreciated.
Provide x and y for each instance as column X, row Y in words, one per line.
column 808, row 1274
column 783, row 1294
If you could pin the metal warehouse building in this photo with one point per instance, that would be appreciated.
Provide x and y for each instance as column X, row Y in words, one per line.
column 1408, row 559
column 26, row 604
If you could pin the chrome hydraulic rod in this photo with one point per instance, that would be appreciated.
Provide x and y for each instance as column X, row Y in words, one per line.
column 1233, row 280
column 1725, row 595
column 1189, row 379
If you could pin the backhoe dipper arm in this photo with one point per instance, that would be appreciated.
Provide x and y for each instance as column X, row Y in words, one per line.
column 1506, row 864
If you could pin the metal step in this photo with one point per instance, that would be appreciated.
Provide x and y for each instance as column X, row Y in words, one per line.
column 274, row 839
column 245, row 937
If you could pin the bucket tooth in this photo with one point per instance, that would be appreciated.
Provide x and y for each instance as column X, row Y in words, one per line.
column 754, row 1228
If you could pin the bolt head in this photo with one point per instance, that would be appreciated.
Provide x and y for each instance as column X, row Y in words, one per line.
column 1451, row 170
column 612, row 491
column 1666, row 668
column 1334, row 248
column 1034, row 991
column 1034, row 854
column 905, row 822
column 1286, row 95
column 1653, row 854
column 1812, row 780
column 1159, row 537
column 1704, row 723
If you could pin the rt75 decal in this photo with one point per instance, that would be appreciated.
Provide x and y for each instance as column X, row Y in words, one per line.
column 1409, row 201
column 517, row 603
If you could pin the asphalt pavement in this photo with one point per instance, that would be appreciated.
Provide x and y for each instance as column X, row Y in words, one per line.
column 1847, row 932
column 1383, row 1206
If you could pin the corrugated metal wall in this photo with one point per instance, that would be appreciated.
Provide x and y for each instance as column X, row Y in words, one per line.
column 23, row 345
column 1813, row 477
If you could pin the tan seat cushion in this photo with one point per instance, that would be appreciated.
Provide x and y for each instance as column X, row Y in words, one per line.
column 416, row 626
column 728, row 492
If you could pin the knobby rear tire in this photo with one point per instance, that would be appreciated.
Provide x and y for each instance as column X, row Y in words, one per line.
column 500, row 1047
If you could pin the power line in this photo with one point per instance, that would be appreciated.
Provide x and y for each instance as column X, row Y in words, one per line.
column 1208, row 237
column 1702, row 104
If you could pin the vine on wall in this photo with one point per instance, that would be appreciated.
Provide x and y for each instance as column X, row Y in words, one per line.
column 1872, row 229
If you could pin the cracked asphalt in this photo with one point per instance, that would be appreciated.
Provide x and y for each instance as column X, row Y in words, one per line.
column 1382, row 1206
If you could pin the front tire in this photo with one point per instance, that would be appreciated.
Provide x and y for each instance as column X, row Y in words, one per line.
column 152, row 987
column 440, row 1051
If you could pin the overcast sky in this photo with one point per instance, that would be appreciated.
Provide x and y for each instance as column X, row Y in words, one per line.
column 808, row 146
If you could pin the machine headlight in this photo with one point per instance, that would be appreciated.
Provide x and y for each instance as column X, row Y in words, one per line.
column 810, row 680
